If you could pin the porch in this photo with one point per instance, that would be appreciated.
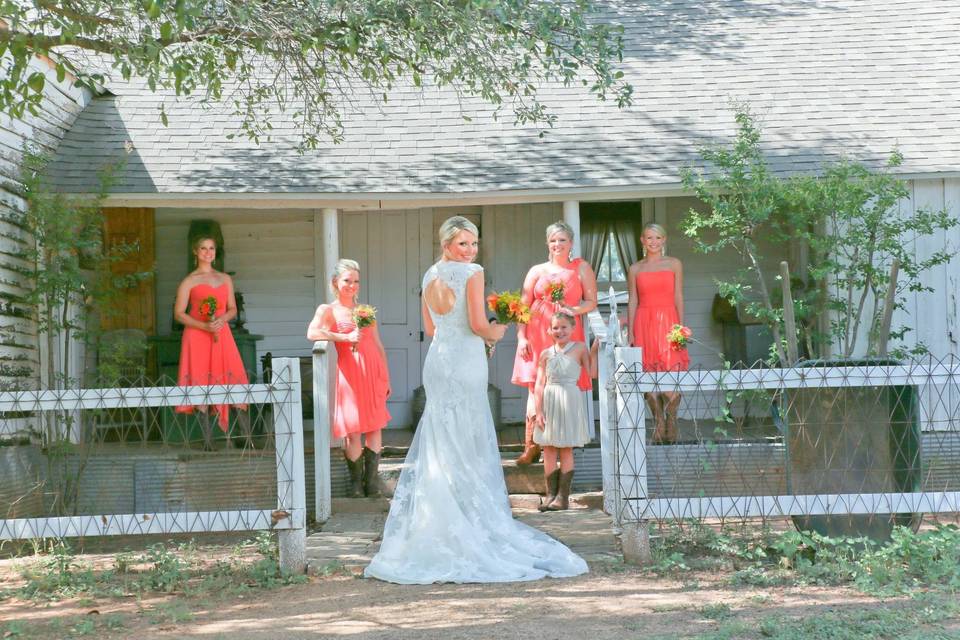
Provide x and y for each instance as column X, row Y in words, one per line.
column 280, row 259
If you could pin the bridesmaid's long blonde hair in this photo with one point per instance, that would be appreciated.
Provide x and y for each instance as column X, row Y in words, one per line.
column 343, row 265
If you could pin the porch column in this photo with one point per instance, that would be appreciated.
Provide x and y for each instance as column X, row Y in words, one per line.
column 326, row 252
column 571, row 215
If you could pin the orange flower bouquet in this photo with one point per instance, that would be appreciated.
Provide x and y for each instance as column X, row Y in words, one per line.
column 555, row 291
column 208, row 310
column 508, row 307
column 364, row 316
column 679, row 336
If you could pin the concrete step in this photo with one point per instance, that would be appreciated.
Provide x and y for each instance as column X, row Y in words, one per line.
column 519, row 478
column 586, row 500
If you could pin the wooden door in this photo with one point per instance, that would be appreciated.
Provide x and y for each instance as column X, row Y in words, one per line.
column 388, row 246
column 133, row 229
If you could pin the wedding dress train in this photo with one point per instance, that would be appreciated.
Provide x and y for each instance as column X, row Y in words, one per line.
column 450, row 518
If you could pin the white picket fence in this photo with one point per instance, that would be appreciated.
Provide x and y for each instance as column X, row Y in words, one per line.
column 289, row 516
column 630, row 463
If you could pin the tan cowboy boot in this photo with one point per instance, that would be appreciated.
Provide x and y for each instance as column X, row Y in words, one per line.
column 562, row 501
column 531, row 452
column 355, row 468
column 553, row 486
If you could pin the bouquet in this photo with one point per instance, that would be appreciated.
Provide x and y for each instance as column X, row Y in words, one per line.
column 555, row 290
column 509, row 307
column 208, row 310
column 364, row 316
column 679, row 336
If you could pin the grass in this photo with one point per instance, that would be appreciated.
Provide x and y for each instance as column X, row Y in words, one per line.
column 911, row 619
column 909, row 562
column 160, row 569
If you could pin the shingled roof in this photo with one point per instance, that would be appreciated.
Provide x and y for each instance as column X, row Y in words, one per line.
column 848, row 77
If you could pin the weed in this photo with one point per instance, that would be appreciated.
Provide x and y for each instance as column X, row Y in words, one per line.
column 171, row 613
column 167, row 573
column 14, row 629
column 719, row 611
column 930, row 559
column 122, row 562
column 113, row 622
column 266, row 544
column 85, row 627
column 58, row 575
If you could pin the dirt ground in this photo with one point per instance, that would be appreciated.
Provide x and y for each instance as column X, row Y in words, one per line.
column 612, row 602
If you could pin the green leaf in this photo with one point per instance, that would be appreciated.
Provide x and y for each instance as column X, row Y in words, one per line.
column 36, row 81
column 166, row 31
column 163, row 115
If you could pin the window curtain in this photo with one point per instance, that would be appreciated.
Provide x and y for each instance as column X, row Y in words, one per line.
column 626, row 233
column 594, row 231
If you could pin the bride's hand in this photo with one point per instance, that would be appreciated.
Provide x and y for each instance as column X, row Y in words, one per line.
column 497, row 331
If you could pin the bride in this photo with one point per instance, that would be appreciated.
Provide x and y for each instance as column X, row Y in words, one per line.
column 450, row 518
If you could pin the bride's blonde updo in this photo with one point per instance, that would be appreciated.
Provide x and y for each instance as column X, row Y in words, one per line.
column 454, row 225
column 343, row 265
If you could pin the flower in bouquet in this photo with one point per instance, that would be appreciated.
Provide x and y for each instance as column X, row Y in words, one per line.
column 556, row 290
column 508, row 307
column 208, row 310
column 679, row 336
column 364, row 316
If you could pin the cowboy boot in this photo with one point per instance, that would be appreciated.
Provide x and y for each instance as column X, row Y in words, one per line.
column 553, row 482
column 355, row 468
column 531, row 450
column 562, row 501
column 371, row 473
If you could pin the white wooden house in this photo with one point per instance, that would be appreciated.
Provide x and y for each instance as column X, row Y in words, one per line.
column 827, row 79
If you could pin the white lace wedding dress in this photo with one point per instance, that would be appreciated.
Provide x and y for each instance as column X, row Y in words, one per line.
column 450, row 518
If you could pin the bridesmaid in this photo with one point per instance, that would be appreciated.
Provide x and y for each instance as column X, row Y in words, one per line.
column 363, row 382
column 208, row 353
column 579, row 297
column 656, row 304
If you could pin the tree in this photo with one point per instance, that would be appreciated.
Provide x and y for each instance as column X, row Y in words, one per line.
column 312, row 56
column 845, row 216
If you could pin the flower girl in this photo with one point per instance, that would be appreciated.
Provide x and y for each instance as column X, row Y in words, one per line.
column 561, row 409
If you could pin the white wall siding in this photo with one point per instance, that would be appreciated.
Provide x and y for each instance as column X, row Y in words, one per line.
column 20, row 353
column 271, row 254
column 512, row 241
column 933, row 314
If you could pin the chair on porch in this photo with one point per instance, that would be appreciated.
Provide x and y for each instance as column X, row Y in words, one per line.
column 121, row 362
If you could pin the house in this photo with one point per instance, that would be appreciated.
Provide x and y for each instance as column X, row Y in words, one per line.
column 827, row 79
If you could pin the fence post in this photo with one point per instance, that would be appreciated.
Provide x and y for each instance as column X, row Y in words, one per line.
column 324, row 363
column 608, row 417
column 631, row 436
column 291, row 481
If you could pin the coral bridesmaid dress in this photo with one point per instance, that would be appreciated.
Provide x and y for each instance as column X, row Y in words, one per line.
column 655, row 316
column 205, row 361
column 541, row 310
column 362, row 383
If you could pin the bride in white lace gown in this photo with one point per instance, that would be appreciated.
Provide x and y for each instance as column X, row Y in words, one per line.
column 450, row 518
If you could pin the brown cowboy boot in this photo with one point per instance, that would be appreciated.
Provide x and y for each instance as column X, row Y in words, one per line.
column 531, row 452
column 553, row 483
column 371, row 473
column 562, row 501
column 355, row 468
